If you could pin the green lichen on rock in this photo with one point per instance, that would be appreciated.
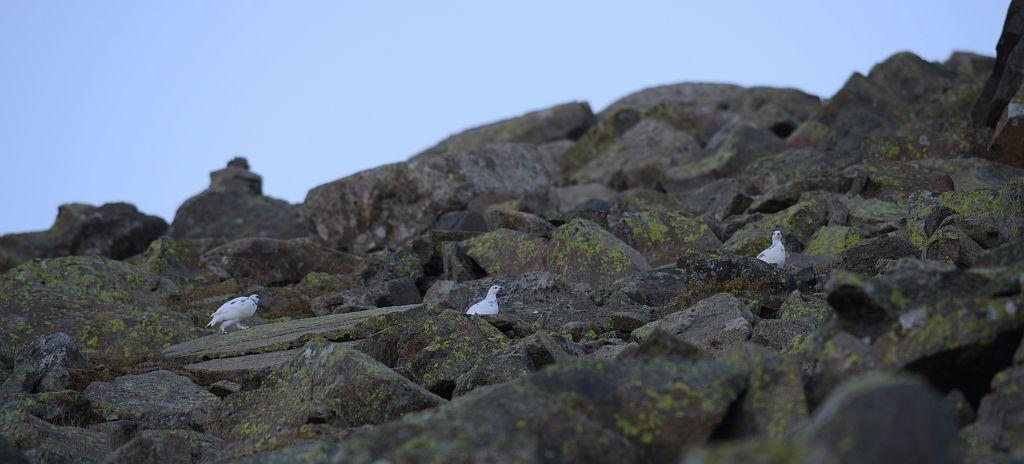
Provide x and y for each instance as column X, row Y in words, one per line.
column 582, row 252
column 774, row 404
column 108, row 307
column 325, row 383
column 580, row 411
column 798, row 223
column 658, row 233
column 830, row 240
column 969, row 204
column 432, row 350
column 507, row 252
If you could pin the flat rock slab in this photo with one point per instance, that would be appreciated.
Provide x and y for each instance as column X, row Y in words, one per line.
column 277, row 336
column 247, row 370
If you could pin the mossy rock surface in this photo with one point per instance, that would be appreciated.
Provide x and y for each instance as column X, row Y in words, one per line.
column 506, row 252
column 37, row 438
column 830, row 240
column 645, row 410
column 324, row 383
column 158, row 400
column 109, row 308
column 432, row 350
column 659, row 234
column 798, row 224
column 582, row 252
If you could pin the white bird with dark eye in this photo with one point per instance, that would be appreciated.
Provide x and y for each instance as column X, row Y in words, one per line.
column 234, row 312
column 488, row 305
column 775, row 254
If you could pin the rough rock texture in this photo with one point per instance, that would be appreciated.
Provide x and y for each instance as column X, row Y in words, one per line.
column 109, row 308
column 528, row 355
column 269, row 261
column 713, row 324
column 390, row 204
column 326, row 383
column 234, row 207
column 44, row 365
column 159, row 400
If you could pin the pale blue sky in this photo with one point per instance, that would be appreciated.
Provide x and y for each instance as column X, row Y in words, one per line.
column 138, row 100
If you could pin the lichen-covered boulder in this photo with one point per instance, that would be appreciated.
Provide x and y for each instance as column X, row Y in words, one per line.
column 830, row 240
column 718, row 199
column 506, row 252
column 713, row 324
column 640, row 157
column 526, row 356
column 269, row 261
column 562, row 122
column 798, row 224
column 501, row 217
column 659, row 234
column 703, row 275
column 584, row 253
column 883, row 419
column 1000, row 425
column 728, row 151
column 109, row 308
column 234, row 207
column 177, row 260
column 158, row 399
column 391, row 204
column 44, row 365
column 642, row 410
column 1003, row 207
column 326, row 383
column 773, row 404
column 865, row 258
column 432, row 350
column 168, row 446
column 41, row 441
column 397, row 292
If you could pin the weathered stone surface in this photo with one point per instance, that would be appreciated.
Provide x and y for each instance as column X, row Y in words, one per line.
column 277, row 336
column 1004, row 208
column 159, row 400
column 41, row 441
column 391, row 204
column 719, row 199
column 565, row 121
column 864, row 258
column 526, row 356
column 270, row 261
column 773, row 404
column 1006, row 76
column 431, row 350
column 798, row 224
column 660, row 235
column 728, row 152
column 233, row 207
column 999, row 428
column 586, row 410
column 396, row 292
column 44, row 365
column 500, row 217
column 247, row 370
column 830, row 240
column 109, row 308
column 707, row 274
column 506, row 252
column 640, row 157
column 586, row 254
column 168, row 446
column 883, row 419
column 326, row 383
column 713, row 324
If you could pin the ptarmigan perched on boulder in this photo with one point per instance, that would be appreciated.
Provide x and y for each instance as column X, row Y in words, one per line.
column 488, row 305
column 234, row 312
column 775, row 254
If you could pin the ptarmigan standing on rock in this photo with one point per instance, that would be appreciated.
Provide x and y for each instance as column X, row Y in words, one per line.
column 234, row 312
column 488, row 305
column 775, row 254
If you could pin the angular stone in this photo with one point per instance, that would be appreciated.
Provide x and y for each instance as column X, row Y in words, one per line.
column 526, row 356
column 159, row 400
column 270, row 261
column 659, row 234
column 584, row 253
column 44, row 365
column 713, row 324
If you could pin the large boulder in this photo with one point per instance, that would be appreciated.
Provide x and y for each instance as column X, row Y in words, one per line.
column 234, row 207
column 431, row 350
column 659, row 234
column 44, row 366
column 41, row 441
column 168, row 446
column 713, row 324
column 326, row 383
column 578, row 411
column 586, row 254
column 640, row 157
column 269, row 261
column 1003, row 207
column 884, row 419
column 391, row 204
column 114, row 230
column 1007, row 72
column 109, row 308
column 527, row 355
column 158, row 400
column 506, row 252
column 567, row 121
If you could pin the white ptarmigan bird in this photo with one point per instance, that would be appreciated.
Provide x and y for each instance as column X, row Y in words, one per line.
column 488, row 305
column 775, row 254
column 234, row 312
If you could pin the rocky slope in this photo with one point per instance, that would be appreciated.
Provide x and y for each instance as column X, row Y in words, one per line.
column 635, row 325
